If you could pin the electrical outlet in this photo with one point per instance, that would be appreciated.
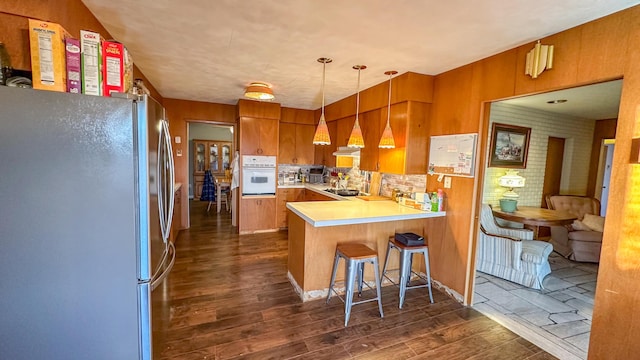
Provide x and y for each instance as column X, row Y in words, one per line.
column 447, row 182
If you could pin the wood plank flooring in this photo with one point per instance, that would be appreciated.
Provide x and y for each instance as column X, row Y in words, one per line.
column 228, row 297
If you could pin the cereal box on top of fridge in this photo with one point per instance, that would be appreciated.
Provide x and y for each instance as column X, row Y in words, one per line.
column 91, row 50
column 74, row 70
column 116, row 68
column 48, row 57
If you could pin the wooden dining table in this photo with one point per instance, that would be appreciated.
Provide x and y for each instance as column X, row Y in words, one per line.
column 534, row 217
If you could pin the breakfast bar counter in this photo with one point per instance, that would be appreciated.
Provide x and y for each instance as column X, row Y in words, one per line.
column 315, row 228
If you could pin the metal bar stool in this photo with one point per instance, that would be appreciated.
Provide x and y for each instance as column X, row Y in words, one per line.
column 355, row 256
column 406, row 261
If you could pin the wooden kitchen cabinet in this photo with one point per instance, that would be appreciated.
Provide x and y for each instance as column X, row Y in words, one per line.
column 256, row 214
column 344, row 127
column 258, row 127
column 371, row 132
column 285, row 196
column 296, row 144
column 409, row 122
column 324, row 153
column 310, row 195
column 258, row 136
column 209, row 155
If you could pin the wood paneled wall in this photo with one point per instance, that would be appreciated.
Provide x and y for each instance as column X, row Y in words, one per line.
column 405, row 87
column 73, row 15
column 179, row 113
column 598, row 51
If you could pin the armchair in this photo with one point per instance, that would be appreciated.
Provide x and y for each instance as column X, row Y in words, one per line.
column 511, row 254
column 572, row 241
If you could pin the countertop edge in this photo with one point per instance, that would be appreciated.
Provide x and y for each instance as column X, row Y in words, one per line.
column 364, row 220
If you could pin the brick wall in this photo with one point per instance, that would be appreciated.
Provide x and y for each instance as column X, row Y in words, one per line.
column 578, row 135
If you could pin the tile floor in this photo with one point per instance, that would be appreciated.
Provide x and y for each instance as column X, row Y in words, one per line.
column 556, row 318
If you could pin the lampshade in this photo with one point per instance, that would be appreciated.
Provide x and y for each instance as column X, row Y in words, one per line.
column 321, row 136
column 259, row 91
column 356, row 140
column 387, row 141
column 511, row 180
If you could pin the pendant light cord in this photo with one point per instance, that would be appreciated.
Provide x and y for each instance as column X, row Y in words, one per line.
column 358, row 97
column 324, row 66
column 389, row 106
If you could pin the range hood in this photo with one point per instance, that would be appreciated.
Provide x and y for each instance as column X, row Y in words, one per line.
column 347, row 151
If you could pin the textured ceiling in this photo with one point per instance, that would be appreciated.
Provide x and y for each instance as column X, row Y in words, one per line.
column 211, row 50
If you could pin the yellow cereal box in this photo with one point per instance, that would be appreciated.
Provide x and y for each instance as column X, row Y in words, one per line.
column 48, row 57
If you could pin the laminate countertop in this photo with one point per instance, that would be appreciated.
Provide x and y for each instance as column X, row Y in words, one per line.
column 354, row 211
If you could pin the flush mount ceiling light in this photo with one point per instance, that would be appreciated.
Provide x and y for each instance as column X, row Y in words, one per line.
column 559, row 101
column 356, row 140
column 259, row 91
column 386, row 141
column 321, row 136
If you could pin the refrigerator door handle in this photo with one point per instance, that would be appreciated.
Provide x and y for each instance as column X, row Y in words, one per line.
column 171, row 251
column 159, row 183
column 165, row 159
column 172, row 178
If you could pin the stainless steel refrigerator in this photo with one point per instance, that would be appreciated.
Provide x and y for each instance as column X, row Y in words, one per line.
column 86, row 201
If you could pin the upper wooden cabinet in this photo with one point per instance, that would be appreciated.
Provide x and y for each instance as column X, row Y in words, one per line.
column 296, row 144
column 370, row 125
column 258, row 127
column 324, row 153
column 343, row 131
column 258, row 136
column 409, row 122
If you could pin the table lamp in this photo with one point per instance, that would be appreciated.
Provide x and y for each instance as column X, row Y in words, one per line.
column 511, row 180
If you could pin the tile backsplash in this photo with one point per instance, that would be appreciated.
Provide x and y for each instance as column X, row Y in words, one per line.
column 358, row 179
column 405, row 183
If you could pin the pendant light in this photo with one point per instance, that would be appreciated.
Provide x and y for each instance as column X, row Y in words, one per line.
column 321, row 136
column 386, row 141
column 356, row 140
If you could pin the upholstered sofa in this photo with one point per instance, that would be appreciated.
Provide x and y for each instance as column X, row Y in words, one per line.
column 511, row 254
column 582, row 240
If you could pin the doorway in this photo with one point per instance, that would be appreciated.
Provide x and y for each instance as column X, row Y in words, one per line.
column 553, row 168
column 541, row 316
column 217, row 133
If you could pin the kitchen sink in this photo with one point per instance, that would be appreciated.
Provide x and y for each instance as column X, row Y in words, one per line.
column 344, row 192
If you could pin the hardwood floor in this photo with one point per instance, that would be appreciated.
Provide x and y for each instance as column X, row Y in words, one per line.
column 228, row 297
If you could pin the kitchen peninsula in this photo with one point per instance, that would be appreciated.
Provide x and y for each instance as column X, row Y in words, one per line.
column 315, row 228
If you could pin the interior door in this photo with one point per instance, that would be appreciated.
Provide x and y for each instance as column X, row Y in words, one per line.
column 553, row 170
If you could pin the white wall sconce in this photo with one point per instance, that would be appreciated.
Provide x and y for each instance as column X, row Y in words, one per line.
column 539, row 59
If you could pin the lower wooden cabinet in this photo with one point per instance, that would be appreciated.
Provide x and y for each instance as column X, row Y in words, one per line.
column 285, row 196
column 310, row 195
column 291, row 195
column 256, row 214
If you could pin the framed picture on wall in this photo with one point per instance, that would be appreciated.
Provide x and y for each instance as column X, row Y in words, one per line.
column 509, row 146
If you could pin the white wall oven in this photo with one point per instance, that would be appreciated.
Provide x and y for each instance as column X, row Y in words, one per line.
column 259, row 175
